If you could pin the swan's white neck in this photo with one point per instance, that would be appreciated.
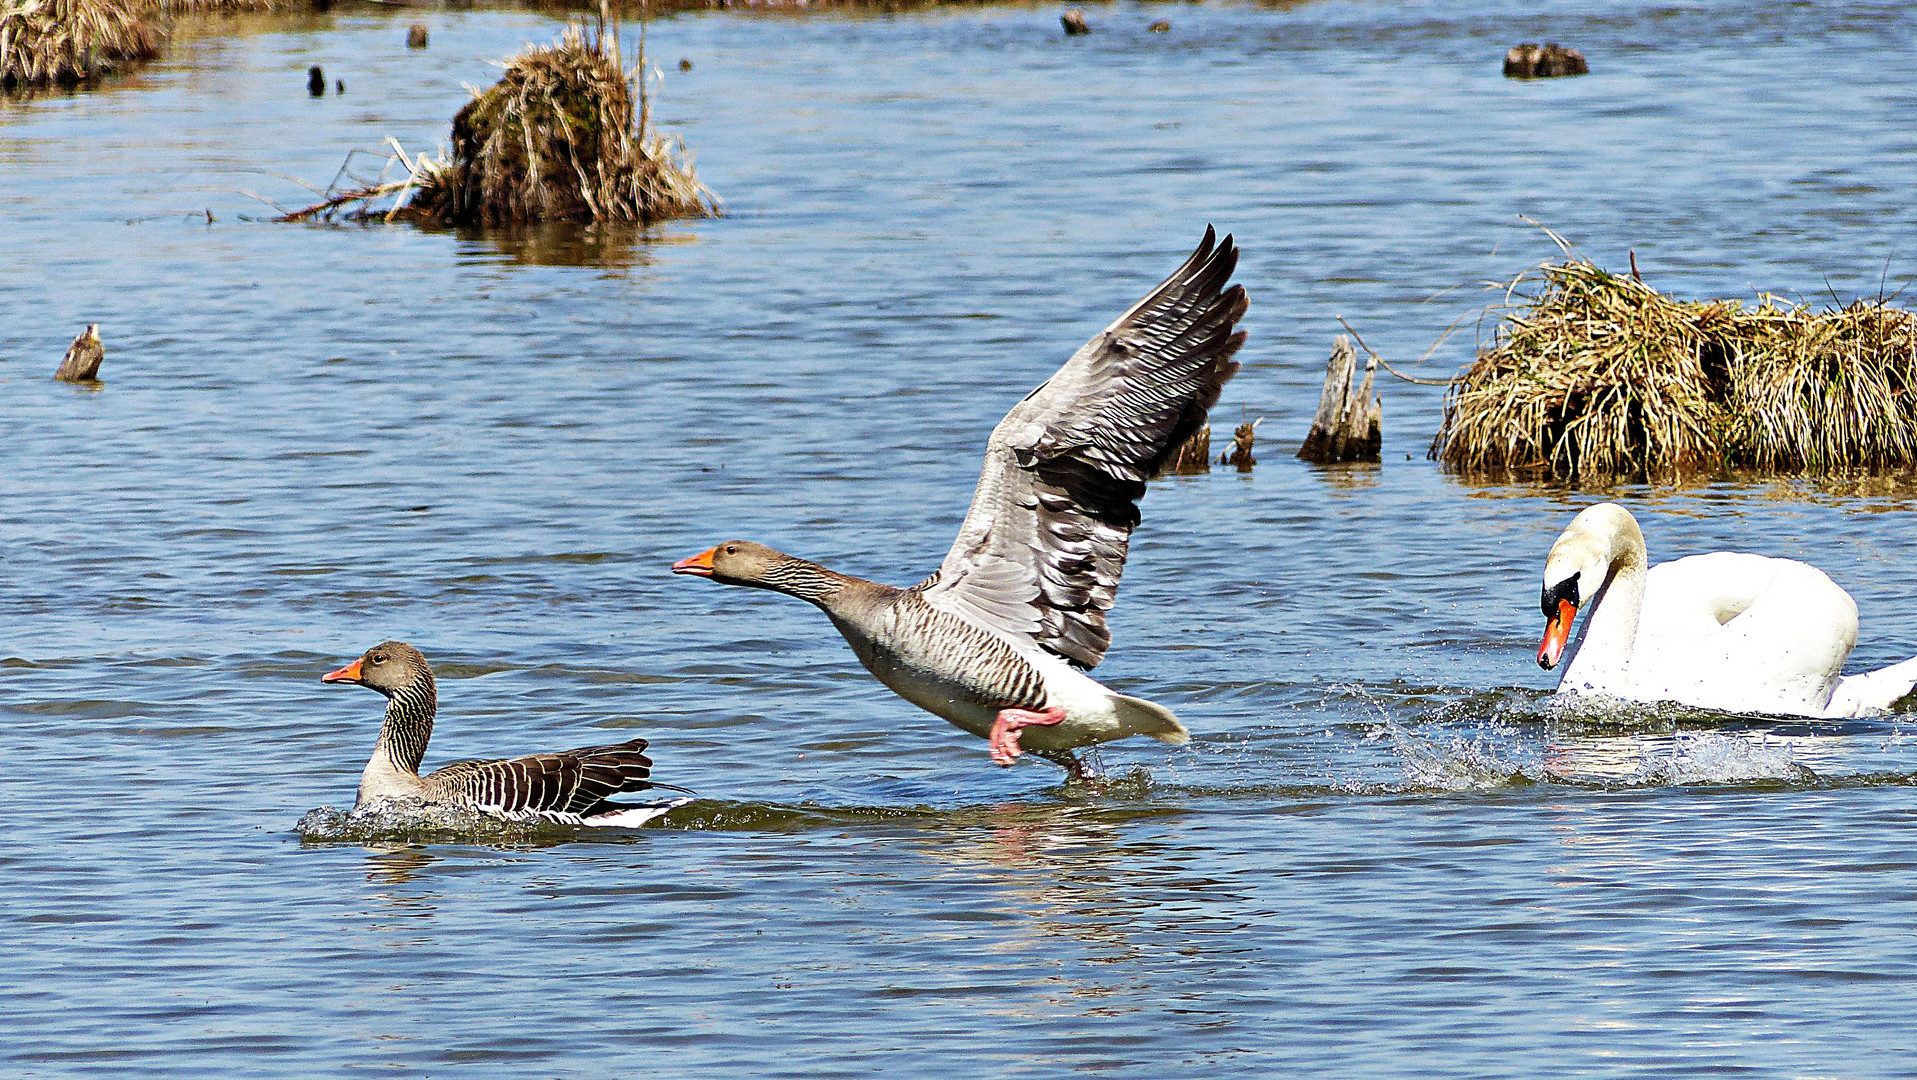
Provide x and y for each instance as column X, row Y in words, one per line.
column 1601, row 656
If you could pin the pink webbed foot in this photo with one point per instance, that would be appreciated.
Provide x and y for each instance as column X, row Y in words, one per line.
column 1010, row 722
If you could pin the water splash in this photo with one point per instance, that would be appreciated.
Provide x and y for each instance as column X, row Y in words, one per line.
column 410, row 820
column 1722, row 758
column 1493, row 740
column 1476, row 759
column 1460, row 762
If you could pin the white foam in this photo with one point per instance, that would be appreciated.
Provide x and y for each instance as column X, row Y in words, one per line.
column 1460, row 763
column 414, row 819
column 1712, row 757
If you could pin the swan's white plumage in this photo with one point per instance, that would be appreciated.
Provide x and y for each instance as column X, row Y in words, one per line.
column 1727, row 630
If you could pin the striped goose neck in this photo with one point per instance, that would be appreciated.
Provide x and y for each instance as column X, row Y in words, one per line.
column 805, row 580
column 408, row 725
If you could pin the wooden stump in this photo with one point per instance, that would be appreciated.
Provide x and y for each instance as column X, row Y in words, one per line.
column 316, row 81
column 1349, row 425
column 1240, row 453
column 82, row 361
column 1074, row 22
column 1191, row 458
column 1528, row 61
column 416, row 36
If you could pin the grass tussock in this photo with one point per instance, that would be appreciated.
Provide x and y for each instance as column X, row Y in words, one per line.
column 229, row 7
column 563, row 136
column 67, row 42
column 1599, row 376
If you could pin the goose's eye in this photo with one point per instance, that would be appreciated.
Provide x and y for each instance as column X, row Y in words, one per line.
column 732, row 549
column 379, row 658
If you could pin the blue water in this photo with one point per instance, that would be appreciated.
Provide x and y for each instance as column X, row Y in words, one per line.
column 1383, row 854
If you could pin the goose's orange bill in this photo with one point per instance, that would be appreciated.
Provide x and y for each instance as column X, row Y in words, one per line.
column 349, row 673
column 1556, row 632
column 700, row 564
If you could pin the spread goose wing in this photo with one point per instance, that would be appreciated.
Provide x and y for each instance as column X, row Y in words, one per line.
column 567, row 782
column 1041, row 550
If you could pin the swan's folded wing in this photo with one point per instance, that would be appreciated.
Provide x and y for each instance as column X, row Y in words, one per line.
column 1042, row 548
column 567, row 782
column 1872, row 692
column 1742, row 632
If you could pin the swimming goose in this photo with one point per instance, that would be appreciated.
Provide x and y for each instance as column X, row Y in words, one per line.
column 567, row 788
column 1730, row 631
column 999, row 638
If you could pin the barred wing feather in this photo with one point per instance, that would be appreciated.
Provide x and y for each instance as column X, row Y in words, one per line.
column 570, row 782
column 1042, row 548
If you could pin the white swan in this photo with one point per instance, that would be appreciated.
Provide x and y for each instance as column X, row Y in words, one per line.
column 1741, row 633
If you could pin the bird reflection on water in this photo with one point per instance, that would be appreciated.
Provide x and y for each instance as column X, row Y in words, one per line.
column 1083, row 877
column 392, row 870
column 396, row 864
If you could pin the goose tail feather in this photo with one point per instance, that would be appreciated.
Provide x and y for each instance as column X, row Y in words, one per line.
column 1141, row 717
column 630, row 815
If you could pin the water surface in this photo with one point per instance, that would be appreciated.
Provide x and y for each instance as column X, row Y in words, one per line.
column 1382, row 854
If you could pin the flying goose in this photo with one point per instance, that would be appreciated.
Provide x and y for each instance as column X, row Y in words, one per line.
column 999, row 638
column 567, row 788
column 1724, row 630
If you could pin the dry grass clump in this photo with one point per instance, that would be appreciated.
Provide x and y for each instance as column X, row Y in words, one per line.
column 1816, row 392
column 67, row 42
column 558, row 138
column 1601, row 376
column 228, row 7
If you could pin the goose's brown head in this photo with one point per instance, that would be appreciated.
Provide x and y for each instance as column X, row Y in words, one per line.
column 736, row 562
column 388, row 667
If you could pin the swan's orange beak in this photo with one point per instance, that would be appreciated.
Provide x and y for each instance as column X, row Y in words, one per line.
column 700, row 564
column 349, row 673
column 1556, row 632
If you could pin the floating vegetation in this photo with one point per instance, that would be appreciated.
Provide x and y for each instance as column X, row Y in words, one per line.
column 563, row 136
column 1600, row 376
column 68, row 42
column 558, row 139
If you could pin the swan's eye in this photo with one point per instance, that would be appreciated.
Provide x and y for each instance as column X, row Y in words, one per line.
column 1566, row 591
